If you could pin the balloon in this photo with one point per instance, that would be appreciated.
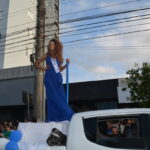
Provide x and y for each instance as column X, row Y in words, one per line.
column 15, row 136
column 11, row 146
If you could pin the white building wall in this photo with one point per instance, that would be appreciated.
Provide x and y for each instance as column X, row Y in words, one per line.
column 18, row 24
column 19, row 43
column 123, row 95
column 4, row 6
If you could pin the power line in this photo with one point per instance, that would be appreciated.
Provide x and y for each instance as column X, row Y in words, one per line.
column 109, row 28
column 17, row 25
column 13, row 51
column 112, row 20
column 16, row 38
column 19, row 32
column 133, row 38
column 134, row 31
column 86, row 48
column 91, row 17
column 15, row 12
column 126, row 46
column 102, row 15
column 79, row 33
column 74, row 12
column 64, row 36
column 92, row 31
column 99, row 27
column 24, row 30
column 71, row 13
column 18, row 42
column 104, row 36
column 33, row 43
column 118, row 50
column 92, row 49
column 111, row 35
column 111, row 5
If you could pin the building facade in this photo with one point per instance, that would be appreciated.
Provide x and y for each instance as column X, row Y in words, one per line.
column 18, row 29
column 18, row 20
column 16, row 83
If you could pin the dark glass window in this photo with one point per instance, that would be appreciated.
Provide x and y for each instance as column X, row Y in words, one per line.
column 115, row 132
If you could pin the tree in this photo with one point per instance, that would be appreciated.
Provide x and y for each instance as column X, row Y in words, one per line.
column 139, row 84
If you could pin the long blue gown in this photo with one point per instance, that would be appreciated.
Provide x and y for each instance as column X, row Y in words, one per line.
column 57, row 107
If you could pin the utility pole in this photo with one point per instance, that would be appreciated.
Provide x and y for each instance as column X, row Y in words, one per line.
column 47, row 28
column 40, row 45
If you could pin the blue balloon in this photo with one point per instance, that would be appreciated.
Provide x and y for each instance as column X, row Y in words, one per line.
column 15, row 136
column 11, row 146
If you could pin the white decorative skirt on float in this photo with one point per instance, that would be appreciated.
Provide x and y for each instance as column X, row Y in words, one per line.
column 34, row 135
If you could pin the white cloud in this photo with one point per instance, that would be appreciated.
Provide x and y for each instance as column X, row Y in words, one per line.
column 107, row 5
column 105, row 70
column 83, row 4
column 110, row 41
column 118, row 52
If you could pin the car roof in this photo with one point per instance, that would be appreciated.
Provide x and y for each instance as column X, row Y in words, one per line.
column 113, row 112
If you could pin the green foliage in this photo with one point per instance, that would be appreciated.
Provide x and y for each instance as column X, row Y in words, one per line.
column 139, row 84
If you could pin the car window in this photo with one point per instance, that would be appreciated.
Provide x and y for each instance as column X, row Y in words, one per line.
column 115, row 132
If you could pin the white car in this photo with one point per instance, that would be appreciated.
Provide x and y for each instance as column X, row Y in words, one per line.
column 121, row 129
column 115, row 129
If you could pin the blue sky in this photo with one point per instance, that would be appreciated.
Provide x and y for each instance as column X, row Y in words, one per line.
column 104, row 58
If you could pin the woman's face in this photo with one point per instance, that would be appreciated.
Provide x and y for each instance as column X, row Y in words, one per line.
column 51, row 45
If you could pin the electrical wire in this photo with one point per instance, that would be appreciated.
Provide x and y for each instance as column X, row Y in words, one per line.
column 98, row 37
column 93, row 49
column 112, row 20
column 32, row 28
column 103, row 15
column 15, row 12
column 111, row 35
column 80, row 33
column 109, row 28
column 111, row 5
column 88, row 32
column 19, row 41
column 97, row 16
column 75, row 12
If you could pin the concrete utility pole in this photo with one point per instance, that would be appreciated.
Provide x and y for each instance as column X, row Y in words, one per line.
column 52, row 20
column 47, row 28
column 40, row 44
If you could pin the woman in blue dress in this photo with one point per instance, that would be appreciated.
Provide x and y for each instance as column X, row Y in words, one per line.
column 57, row 107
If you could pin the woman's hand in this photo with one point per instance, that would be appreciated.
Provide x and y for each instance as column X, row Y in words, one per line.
column 46, row 68
column 67, row 61
column 63, row 67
